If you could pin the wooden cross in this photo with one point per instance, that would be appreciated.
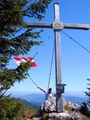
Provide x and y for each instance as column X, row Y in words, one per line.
column 57, row 25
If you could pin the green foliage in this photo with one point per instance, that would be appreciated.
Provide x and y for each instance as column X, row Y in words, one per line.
column 15, row 109
column 11, row 109
column 15, row 38
column 10, row 76
column 39, row 7
column 88, row 92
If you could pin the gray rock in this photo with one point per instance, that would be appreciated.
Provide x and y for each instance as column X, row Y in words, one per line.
column 64, row 116
column 58, row 116
column 50, row 105
column 39, row 118
column 75, row 107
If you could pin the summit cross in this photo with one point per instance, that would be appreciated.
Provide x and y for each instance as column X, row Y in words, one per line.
column 58, row 26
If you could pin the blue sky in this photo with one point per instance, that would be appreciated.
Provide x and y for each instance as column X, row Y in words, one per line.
column 75, row 60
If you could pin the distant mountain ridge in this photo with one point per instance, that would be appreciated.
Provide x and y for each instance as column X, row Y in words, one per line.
column 38, row 99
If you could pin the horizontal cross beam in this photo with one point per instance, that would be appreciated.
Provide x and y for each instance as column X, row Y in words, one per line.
column 77, row 26
column 39, row 25
column 64, row 25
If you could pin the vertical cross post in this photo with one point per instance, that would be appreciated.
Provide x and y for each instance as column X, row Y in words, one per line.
column 59, row 105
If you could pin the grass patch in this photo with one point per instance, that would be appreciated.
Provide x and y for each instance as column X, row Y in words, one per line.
column 67, row 107
column 29, row 112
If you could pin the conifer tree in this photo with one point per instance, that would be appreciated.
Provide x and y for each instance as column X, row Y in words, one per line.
column 15, row 38
column 88, row 92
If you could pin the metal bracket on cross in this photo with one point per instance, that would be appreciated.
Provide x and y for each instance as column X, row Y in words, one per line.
column 58, row 25
column 60, row 88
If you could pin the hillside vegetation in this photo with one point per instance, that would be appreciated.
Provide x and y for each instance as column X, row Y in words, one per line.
column 15, row 109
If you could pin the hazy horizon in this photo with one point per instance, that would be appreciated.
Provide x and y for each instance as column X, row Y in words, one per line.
column 25, row 93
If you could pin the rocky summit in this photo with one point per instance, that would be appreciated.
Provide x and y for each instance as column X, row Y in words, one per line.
column 71, row 111
column 50, row 105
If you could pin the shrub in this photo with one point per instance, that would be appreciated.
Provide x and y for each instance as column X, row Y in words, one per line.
column 11, row 109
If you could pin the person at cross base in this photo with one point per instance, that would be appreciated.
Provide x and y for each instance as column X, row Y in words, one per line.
column 48, row 94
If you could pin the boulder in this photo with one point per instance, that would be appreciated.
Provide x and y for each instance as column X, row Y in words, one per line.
column 74, row 107
column 49, row 105
column 64, row 116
